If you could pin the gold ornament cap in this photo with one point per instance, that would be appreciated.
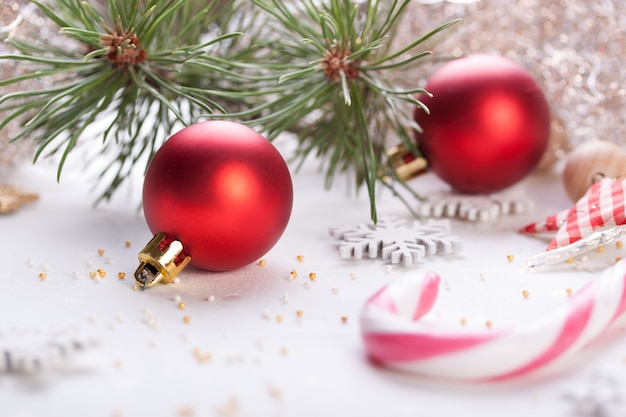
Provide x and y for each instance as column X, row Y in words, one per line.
column 405, row 164
column 161, row 260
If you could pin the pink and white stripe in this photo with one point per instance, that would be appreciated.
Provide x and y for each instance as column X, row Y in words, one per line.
column 395, row 337
column 601, row 207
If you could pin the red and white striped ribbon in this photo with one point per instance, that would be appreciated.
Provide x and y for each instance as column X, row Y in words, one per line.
column 601, row 207
column 395, row 337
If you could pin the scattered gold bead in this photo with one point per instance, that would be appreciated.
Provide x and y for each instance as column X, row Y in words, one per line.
column 284, row 351
column 100, row 252
column 489, row 324
column 344, row 319
column 101, row 273
column 312, row 276
column 293, row 274
column 43, row 275
column 569, row 291
column 135, row 287
column 510, row 258
column 300, row 258
column 186, row 412
column 275, row 392
column 187, row 319
column 262, row 262
column 600, row 249
column 202, row 357
column 619, row 244
column 299, row 313
column 618, row 258
column 526, row 293
column 570, row 260
column 463, row 322
column 279, row 318
column 93, row 274
column 181, row 305
column 121, row 275
column 127, row 244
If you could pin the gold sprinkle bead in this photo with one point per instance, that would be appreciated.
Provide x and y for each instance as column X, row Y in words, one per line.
column 619, row 244
column 262, row 262
column 275, row 392
column 284, row 351
column 299, row 313
column 600, row 249
column 489, row 324
column 101, row 273
column 463, row 322
column 202, row 357
column 127, row 244
column 43, row 275
column 181, row 305
column 187, row 319
column 570, row 260
column 135, row 287
column 100, row 252
column 569, row 291
column 312, row 276
column 526, row 293
column 93, row 274
column 293, row 274
column 186, row 412
column 300, row 258
column 617, row 259
column 121, row 275
column 279, row 318
column 510, row 257
column 344, row 319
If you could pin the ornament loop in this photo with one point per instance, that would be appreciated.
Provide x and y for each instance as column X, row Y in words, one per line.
column 161, row 260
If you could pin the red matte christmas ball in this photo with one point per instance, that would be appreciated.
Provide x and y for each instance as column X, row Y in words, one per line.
column 488, row 126
column 221, row 189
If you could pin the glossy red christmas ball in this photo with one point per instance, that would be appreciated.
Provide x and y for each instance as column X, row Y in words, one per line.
column 488, row 126
column 221, row 189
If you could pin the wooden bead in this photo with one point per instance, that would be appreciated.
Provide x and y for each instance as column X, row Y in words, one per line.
column 588, row 162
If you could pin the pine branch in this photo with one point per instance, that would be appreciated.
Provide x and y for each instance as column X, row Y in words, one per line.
column 332, row 64
column 132, row 72
column 123, row 62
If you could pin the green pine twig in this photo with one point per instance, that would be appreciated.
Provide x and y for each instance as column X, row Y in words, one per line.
column 332, row 64
column 122, row 62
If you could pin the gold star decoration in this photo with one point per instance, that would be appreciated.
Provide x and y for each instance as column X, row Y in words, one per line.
column 12, row 198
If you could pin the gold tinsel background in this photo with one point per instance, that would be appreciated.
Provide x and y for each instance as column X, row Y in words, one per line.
column 576, row 49
column 18, row 18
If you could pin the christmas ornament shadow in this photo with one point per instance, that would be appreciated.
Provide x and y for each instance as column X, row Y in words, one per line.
column 249, row 282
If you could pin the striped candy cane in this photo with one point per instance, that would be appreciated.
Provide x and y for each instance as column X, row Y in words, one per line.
column 394, row 336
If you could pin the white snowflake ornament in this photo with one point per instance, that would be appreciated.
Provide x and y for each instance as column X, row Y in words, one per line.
column 29, row 352
column 483, row 208
column 396, row 240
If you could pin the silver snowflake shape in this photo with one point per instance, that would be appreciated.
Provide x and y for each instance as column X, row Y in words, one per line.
column 30, row 352
column 471, row 207
column 396, row 240
column 600, row 395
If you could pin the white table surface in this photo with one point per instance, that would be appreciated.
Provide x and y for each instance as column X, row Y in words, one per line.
column 144, row 364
